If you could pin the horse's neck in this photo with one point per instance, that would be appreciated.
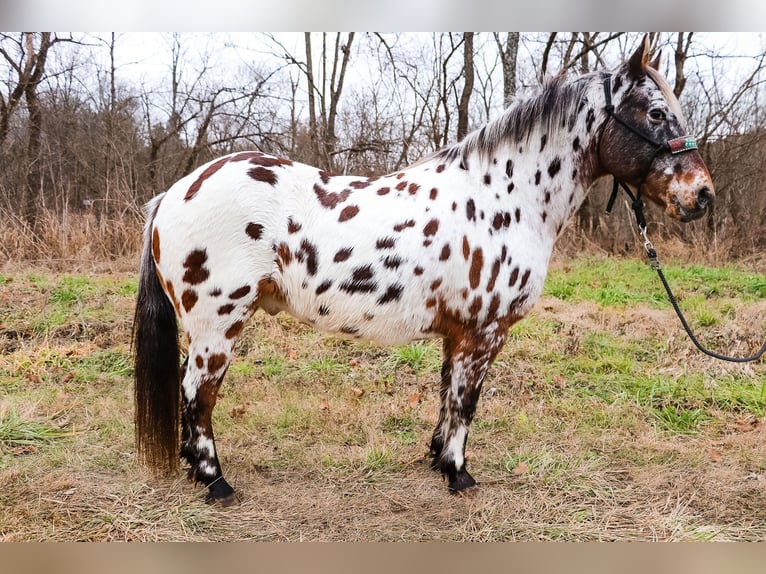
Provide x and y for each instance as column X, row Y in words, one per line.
column 543, row 180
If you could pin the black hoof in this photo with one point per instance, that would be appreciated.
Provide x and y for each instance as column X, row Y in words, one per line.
column 461, row 482
column 436, row 453
column 220, row 493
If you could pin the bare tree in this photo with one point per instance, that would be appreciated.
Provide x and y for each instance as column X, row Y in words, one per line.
column 465, row 95
column 508, row 57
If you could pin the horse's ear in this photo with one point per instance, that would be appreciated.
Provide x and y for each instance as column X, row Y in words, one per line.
column 656, row 62
column 639, row 60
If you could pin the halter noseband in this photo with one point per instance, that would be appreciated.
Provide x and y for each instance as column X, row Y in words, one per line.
column 673, row 146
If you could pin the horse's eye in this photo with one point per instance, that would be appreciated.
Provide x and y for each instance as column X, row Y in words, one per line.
column 657, row 115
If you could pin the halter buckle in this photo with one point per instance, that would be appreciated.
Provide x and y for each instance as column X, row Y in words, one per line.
column 682, row 144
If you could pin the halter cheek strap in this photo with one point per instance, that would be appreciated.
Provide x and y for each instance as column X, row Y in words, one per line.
column 673, row 146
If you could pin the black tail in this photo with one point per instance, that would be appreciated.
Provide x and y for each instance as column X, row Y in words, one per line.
column 156, row 363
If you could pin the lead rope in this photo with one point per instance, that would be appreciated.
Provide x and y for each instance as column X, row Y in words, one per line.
column 674, row 146
column 654, row 262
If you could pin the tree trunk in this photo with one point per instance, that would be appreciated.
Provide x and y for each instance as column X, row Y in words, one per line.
column 465, row 96
column 311, row 89
column 508, row 57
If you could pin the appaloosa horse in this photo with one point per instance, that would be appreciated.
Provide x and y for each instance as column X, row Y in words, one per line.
column 455, row 246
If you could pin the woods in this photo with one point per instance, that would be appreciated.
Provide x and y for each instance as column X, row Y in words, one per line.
column 87, row 135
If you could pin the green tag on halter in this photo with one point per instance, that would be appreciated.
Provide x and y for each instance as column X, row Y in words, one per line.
column 682, row 144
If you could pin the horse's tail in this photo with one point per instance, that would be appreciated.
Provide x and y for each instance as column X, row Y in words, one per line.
column 156, row 364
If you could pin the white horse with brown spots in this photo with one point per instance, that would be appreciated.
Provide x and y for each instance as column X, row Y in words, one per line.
column 455, row 246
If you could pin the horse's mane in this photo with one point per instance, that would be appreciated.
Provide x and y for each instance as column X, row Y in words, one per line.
column 554, row 108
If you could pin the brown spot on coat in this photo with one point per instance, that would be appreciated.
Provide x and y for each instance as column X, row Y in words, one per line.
column 343, row 254
column 324, row 286
column 330, row 200
column 440, row 168
column 487, row 179
column 385, row 243
column 434, row 192
column 470, row 210
column 393, row 293
column 254, row 230
column 360, row 282
column 401, row 185
column 538, row 176
column 402, row 226
column 466, row 248
column 475, row 306
column 493, row 275
column 215, row 362
column 189, row 299
column 199, row 361
column 477, row 262
column 348, row 213
column 194, row 263
column 226, row 309
column 418, row 271
column 436, row 284
column 360, row 184
column 292, row 226
column 239, row 293
column 257, row 158
column 172, row 294
column 514, row 277
column 431, row 227
column 284, row 255
column 308, row 253
column 325, row 176
column 524, row 279
column 207, row 172
column 413, row 188
column 494, row 305
column 234, row 330
column 445, row 253
column 156, row 245
column 263, row 174
column 392, row 262
column 384, row 190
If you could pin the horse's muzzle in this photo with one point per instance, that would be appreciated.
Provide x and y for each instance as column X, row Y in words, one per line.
column 703, row 200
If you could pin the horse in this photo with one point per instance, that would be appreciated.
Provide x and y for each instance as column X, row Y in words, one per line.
column 455, row 246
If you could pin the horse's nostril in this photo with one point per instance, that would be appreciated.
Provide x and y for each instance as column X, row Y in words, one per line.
column 704, row 197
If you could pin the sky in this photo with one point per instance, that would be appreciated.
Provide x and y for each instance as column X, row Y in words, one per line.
column 396, row 15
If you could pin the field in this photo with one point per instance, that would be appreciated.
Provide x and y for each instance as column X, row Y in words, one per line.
column 598, row 421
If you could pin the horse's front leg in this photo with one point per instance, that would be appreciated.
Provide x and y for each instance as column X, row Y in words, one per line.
column 465, row 364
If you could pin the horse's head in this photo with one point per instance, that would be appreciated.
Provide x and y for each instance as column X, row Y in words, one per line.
column 644, row 142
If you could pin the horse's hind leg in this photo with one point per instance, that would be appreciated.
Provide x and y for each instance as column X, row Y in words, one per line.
column 205, row 368
column 465, row 365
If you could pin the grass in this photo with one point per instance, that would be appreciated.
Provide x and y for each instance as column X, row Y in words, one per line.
column 17, row 432
column 594, row 416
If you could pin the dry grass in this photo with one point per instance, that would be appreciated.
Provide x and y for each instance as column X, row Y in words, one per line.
column 325, row 439
column 79, row 240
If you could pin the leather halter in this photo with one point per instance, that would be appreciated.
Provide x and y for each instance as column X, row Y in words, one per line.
column 672, row 146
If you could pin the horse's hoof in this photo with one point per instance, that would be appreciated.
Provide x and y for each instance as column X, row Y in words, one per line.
column 462, row 483
column 220, row 493
column 222, row 502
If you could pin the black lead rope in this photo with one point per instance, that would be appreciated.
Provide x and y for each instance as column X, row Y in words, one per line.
column 674, row 146
column 654, row 262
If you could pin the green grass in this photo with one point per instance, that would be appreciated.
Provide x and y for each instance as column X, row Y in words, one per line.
column 18, row 432
column 617, row 282
column 421, row 357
